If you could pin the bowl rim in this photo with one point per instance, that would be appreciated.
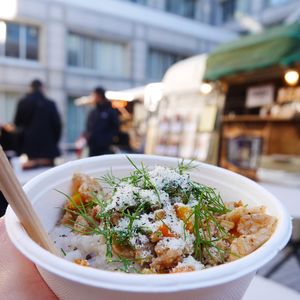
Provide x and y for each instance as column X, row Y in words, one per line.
column 136, row 282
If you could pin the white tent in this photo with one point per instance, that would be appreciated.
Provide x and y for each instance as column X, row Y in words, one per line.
column 185, row 76
column 186, row 122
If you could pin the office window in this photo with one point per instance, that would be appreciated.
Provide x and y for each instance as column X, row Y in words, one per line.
column 243, row 6
column 106, row 57
column 81, row 51
column 12, row 43
column 74, row 50
column 277, row 2
column 185, row 8
column 32, row 42
column 228, row 8
column 8, row 104
column 159, row 61
column 143, row 2
column 22, row 41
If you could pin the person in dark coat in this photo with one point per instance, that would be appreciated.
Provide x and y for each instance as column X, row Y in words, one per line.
column 39, row 124
column 102, row 125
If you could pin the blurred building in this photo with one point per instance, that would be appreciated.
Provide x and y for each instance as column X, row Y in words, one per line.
column 237, row 15
column 75, row 45
column 253, row 15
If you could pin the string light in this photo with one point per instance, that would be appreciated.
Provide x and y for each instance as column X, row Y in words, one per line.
column 291, row 77
column 206, row 88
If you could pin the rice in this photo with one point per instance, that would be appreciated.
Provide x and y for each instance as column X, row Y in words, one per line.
column 156, row 221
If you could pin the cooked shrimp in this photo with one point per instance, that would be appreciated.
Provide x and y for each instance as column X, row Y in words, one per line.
column 246, row 244
column 251, row 223
column 123, row 251
column 166, row 260
column 81, row 225
column 85, row 185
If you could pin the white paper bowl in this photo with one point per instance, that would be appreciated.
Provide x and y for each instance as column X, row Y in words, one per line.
column 71, row 281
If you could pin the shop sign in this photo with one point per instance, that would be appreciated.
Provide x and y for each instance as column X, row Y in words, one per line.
column 259, row 96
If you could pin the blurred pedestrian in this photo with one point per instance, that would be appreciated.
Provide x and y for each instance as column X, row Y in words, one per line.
column 6, row 144
column 8, row 137
column 123, row 145
column 39, row 127
column 102, row 125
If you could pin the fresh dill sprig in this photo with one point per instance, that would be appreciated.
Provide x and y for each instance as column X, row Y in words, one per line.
column 123, row 236
column 143, row 172
column 92, row 226
column 205, row 226
column 111, row 180
column 80, row 210
column 208, row 207
column 63, row 251
column 198, row 238
column 128, row 264
column 183, row 167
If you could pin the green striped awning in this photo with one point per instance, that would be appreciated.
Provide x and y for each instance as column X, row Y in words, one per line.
column 278, row 46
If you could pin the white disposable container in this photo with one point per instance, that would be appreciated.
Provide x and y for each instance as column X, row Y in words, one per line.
column 71, row 281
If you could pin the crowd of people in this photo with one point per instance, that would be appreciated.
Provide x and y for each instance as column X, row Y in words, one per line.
column 37, row 128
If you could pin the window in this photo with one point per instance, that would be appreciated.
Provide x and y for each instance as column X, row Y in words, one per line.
column 77, row 116
column 74, row 51
column 277, row 2
column 159, row 61
column 12, row 43
column 21, row 41
column 8, row 104
column 243, row 6
column 185, row 8
column 228, row 8
column 106, row 57
column 143, row 2
column 32, row 43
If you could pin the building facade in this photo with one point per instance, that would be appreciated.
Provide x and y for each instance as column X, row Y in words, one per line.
column 253, row 15
column 230, row 13
column 75, row 45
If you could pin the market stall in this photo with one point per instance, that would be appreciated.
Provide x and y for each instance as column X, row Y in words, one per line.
column 260, row 73
column 186, row 123
column 132, row 115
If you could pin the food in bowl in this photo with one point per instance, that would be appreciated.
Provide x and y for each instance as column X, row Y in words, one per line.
column 156, row 220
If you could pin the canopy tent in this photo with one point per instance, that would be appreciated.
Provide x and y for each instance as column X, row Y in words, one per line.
column 185, row 76
column 277, row 46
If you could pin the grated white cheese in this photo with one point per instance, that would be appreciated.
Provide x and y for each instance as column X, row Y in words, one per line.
column 165, row 200
column 171, row 243
column 190, row 261
column 145, row 254
column 149, row 196
column 164, row 178
column 124, row 196
column 174, row 224
column 147, row 222
column 138, row 240
column 123, row 224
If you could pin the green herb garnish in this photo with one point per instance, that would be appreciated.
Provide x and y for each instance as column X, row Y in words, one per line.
column 206, row 228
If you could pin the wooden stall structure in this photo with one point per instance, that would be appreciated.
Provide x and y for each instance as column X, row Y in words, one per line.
column 262, row 108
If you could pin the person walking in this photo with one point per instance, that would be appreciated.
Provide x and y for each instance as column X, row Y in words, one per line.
column 39, row 125
column 102, row 124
